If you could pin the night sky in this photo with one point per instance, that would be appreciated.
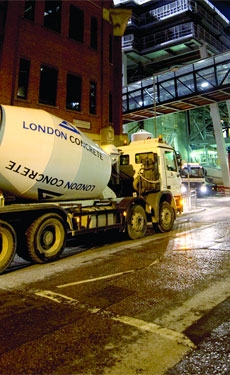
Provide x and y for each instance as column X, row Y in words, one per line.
column 223, row 6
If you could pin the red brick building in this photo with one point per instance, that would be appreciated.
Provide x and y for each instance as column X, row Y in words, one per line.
column 63, row 56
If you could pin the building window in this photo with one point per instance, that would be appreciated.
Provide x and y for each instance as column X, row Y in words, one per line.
column 48, row 85
column 29, row 9
column 52, row 15
column 73, row 93
column 23, row 78
column 92, row 97
column 93, row 33
column 76, row 24
column 110, row 107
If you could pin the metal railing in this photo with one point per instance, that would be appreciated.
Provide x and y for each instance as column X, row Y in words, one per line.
column 149, row 19
column 173, row 34
column 203, row 76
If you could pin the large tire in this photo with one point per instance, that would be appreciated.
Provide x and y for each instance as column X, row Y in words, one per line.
column 8, row 243
column 136, row 222
column 22, row 249
column 46, row 238
column 166, row 218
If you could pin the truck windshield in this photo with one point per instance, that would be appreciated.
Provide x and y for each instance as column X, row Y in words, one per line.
column 192, row 172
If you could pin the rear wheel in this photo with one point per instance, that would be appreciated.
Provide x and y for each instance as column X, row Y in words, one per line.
column 46, row 238
column 22, row 249
column 136, row 222
column 7, row 245
column 166, row 218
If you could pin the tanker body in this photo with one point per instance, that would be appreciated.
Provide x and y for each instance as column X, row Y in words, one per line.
column 45, row 158
column 54, row 184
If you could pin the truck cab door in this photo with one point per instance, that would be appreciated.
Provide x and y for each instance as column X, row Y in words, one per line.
column 172, row 179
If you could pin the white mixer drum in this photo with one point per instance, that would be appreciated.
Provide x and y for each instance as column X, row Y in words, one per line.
column 43, row 157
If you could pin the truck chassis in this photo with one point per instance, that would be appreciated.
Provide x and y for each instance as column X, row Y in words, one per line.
column 38, row 232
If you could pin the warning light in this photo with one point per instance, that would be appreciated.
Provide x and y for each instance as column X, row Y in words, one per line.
column 160, row 138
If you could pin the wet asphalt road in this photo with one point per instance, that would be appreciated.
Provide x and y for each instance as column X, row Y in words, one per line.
column 212, row 338
column 155, row 306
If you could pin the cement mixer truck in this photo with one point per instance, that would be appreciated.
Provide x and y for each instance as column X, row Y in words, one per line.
column 57, row 184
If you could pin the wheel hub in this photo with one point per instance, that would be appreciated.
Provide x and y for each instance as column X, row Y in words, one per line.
column 48, row 238
column 166, row 216
column 138, row 222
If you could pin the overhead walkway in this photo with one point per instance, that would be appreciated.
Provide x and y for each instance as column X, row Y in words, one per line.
column 199, row 84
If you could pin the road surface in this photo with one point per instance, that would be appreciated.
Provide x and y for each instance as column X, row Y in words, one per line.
column 159, row 305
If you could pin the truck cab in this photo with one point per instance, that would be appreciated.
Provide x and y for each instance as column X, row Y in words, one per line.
column 149, row 166
column 193, row 179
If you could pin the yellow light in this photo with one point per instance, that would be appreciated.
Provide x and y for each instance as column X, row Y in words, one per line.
column 160, row 138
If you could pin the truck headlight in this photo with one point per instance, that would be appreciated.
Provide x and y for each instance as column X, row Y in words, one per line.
column 183, row 189
column 203, row 189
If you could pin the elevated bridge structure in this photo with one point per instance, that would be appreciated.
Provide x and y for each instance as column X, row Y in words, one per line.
column 205, row 82
column 199, row 84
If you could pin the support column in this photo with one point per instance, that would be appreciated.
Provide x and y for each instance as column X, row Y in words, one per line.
column 228, row 108
column 124, row 69
column 228, row 132
column 221, row 148
column 203, row 51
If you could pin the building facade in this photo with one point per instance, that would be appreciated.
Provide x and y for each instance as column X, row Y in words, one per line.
column 63, row 57
column 164, row 34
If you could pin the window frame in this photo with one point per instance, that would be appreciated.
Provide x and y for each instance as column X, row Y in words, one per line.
column 76, row 18
column 52, row 20
column 29, row 9
column 140, row 156
column 71, row 96
column 48, row 85
column 23, row 78
column 94, row 33
column 171, row 163
column 93, row 97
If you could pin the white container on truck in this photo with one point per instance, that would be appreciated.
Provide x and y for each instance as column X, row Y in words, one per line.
column 54, row 184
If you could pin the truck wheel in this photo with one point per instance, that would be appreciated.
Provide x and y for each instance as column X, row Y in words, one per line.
column 166, row 218
column 22, row 250
column 7, row 245
column 46, row 238
column 136, row 222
